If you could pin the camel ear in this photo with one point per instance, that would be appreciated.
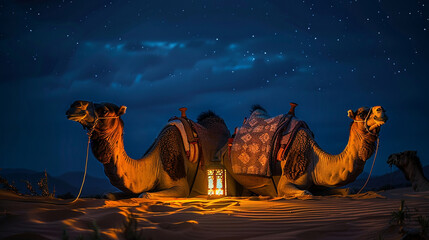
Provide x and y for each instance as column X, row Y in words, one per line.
column 351, row 114
column 122, row 110
column 84, row 105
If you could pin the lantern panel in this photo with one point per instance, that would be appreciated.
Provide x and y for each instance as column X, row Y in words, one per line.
column 216, row 182
column 210, row 190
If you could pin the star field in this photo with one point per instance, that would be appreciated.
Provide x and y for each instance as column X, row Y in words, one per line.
column 154, row 57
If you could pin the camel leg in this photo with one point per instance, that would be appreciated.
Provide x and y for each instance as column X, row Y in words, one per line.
column 326, row 191
column 288, row 189
column 258, row 185
column 179, row 189
column 119, row 195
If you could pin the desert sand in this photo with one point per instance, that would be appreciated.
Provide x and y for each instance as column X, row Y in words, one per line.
column 363, row 216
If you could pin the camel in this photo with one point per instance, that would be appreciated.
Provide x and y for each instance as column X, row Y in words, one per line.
column 323, row 170
column 164, row 170
column 409, row 163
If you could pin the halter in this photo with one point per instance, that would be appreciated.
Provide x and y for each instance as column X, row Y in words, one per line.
column 366, row 121
column 87, row 147
column 376, row 149
column 96, row 120
column 86, row 162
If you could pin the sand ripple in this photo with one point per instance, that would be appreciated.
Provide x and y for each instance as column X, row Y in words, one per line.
column 364, row 216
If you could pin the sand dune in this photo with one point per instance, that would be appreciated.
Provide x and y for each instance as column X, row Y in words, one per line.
column 364, row 216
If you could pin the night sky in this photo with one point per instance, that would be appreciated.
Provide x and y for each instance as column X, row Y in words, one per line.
column 157, row 56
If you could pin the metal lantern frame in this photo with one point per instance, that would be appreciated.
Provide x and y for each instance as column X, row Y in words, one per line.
column 216, row 180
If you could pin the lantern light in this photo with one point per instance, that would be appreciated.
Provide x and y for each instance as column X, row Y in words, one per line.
column 216, row 180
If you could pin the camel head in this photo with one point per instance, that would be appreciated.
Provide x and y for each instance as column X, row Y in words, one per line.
column 409, row 163
column 88, row 113
column 403, row 159
column 369, row 118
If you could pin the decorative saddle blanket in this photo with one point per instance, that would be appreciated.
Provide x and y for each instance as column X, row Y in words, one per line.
column 189, row 138
column 258, row 141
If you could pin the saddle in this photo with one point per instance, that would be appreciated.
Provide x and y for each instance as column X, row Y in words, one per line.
column 189, row 135
column 261, row 143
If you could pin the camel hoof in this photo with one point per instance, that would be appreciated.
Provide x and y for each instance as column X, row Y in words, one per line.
column 145, row 195
column 110, row 196
column 306, row 193
column 297, row 194
column 119, row 195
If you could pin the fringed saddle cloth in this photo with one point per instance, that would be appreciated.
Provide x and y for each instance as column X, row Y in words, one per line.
column 258, row 142
column 189, row 137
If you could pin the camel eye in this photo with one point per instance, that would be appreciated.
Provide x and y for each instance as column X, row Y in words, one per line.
column 103, row 111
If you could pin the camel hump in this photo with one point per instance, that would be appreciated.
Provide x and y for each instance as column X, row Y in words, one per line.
column 256, row 107
column 207, row 114
column 209, row 117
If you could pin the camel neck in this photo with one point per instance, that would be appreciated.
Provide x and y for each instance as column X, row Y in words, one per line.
column 127, row 174
column 413, row 174
column 341, row 169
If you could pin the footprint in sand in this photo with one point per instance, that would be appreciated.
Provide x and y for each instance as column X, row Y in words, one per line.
column 220, row 204
column 107, row 218
column 212, row 204
column 45, row 215
column 114, row 219
column 180, row 226
column 160, row 208
column 24, row 236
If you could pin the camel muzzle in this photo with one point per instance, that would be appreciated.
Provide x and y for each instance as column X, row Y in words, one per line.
column 379, row 121
column 392, row 160
column 75, row 115
column 383, row 119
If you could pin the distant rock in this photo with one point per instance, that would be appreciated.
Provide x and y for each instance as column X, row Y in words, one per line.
column 93, row 185
column 395, row 179
column 63, row 184
column 70, row 182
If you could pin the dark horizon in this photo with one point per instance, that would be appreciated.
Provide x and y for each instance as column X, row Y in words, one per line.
column 154, row 58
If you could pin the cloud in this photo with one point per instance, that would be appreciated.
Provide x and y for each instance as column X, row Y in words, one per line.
column 166, row 71
column 223, row 55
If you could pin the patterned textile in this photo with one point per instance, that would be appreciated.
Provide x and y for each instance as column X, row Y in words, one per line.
column 257, row 142
column 297, row 159
column 251, row 149
column 289, row 134
column 191, row 147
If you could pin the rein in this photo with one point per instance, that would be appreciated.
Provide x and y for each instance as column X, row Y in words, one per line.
column 87, row 148
column 376, row 149
column 375, row 156
column 365, row 122
column 86, row 166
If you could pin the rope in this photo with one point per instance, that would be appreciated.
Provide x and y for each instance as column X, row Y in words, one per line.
column 375, row 156
column 86, row 167
column 81, row 186
column 87, row 153
column 365, row 121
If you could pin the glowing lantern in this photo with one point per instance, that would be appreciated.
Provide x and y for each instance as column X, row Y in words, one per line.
column 216, row 175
